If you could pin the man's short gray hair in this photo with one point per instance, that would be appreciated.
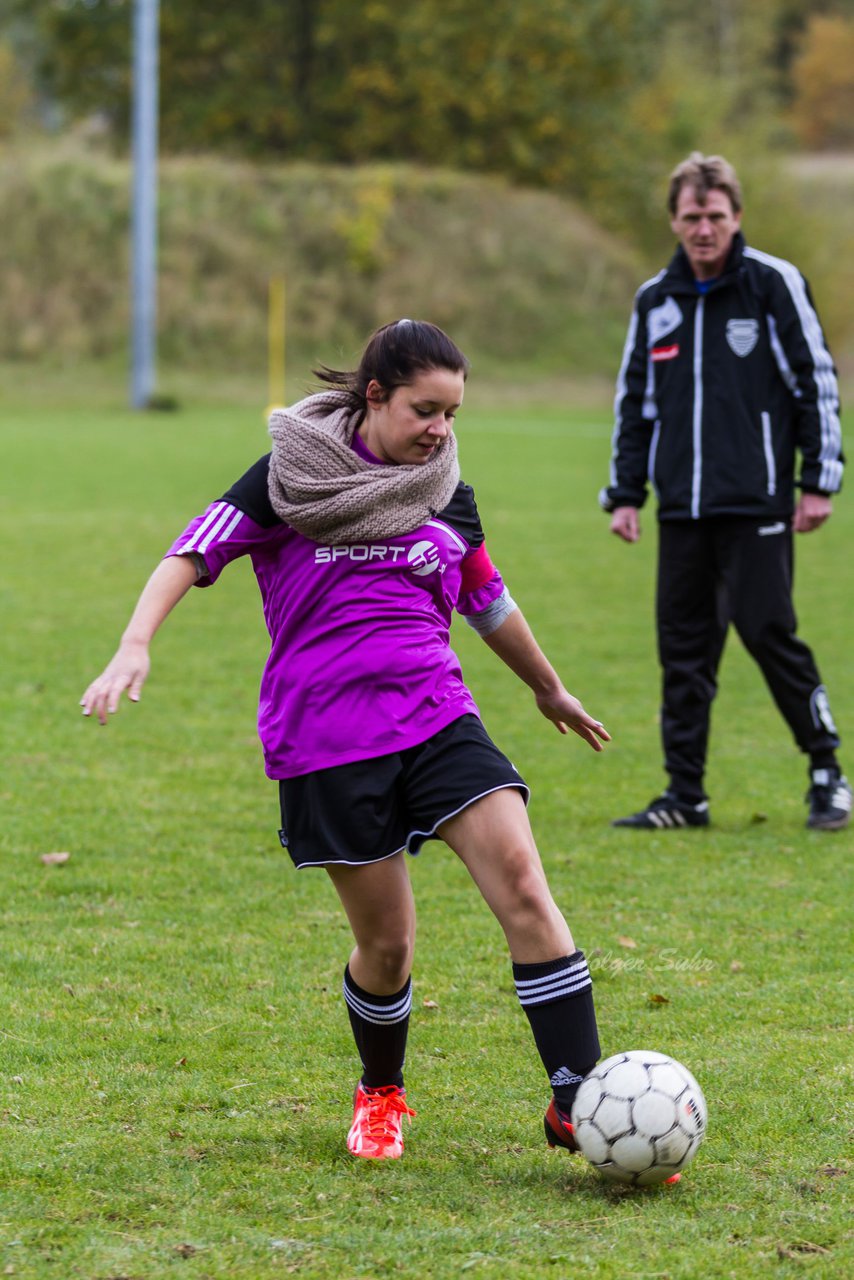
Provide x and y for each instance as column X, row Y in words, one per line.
column 704, row 174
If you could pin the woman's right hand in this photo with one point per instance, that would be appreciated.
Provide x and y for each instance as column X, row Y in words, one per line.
column 128, row 670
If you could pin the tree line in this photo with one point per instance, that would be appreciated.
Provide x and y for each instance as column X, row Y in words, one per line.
column 591, row 97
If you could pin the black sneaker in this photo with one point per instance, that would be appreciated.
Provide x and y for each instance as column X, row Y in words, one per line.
column 829, row 799
column 666, row 813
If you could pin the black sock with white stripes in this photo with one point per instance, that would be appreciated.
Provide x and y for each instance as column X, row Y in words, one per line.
column 558, row 998
column 380, row 1025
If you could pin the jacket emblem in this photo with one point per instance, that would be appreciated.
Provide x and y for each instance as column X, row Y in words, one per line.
column 662, row 320
column 742, row 335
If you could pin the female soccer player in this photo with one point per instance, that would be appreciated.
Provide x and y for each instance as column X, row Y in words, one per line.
column 364, row 541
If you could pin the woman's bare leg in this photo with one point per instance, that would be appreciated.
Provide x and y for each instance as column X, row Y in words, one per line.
column 493, row 838
column 380, row 906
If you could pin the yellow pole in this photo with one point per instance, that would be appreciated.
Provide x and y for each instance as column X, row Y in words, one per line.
column 276, row 343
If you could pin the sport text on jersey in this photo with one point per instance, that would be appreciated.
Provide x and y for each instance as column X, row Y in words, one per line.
column 423, row 558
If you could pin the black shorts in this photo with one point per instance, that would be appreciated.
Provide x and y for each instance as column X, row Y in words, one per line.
column 372, row 809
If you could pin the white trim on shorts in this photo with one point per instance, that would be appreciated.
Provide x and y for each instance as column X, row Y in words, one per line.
column 342, row 862
column 503, row 786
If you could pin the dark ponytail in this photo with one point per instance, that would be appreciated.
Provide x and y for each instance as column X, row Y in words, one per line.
column 394, row 356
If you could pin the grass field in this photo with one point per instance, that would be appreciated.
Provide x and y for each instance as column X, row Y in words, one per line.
column 176, row 1066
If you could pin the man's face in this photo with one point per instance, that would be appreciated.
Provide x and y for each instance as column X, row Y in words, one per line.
column 705, row 230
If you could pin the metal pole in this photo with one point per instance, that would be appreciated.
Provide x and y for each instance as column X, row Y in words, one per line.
column 144, row 209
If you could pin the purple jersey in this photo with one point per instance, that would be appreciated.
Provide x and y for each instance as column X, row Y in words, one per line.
column 360, row 663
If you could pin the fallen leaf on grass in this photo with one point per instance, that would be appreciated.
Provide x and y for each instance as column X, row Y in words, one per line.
column 54, row 859
column 830, row 1171
column 759, row 817
column 656, row 999
column 627, row 942
column 430, row 1004
column 185, row 1250
column 736, row 966
column 801, row 1246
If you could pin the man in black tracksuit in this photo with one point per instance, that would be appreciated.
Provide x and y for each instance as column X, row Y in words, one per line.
column 725, row 377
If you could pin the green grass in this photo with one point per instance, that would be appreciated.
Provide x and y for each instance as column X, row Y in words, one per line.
column 175, row 1059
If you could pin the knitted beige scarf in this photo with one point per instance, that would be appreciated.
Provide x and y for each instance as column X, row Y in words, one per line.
column 322, row 488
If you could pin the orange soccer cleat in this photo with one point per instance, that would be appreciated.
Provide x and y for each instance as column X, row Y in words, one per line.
column 375, row 1133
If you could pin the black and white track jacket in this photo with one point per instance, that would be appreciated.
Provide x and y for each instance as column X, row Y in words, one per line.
column 718, row 391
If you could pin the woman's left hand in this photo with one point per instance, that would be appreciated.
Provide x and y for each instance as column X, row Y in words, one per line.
column 566, row 712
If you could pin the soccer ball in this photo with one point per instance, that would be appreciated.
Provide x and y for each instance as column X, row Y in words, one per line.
column 639, row 1117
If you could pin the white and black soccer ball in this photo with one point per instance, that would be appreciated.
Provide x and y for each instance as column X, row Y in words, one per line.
column 639, row 1117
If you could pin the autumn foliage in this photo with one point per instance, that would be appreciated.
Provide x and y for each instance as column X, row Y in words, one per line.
column 823, row 75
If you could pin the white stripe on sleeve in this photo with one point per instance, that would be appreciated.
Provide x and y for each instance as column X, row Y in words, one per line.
column 823, row 372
